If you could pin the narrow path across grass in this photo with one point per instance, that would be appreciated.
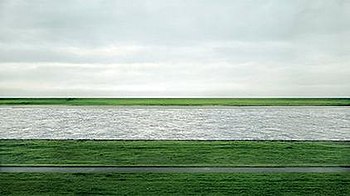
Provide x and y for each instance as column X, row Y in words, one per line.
column 89, row 169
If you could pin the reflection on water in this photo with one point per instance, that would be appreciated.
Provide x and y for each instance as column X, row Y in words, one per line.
column 179, row 123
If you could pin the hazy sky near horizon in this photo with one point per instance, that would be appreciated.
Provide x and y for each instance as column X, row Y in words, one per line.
column 181, row 48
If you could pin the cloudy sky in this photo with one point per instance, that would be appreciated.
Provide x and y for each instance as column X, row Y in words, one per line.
column 175, row 48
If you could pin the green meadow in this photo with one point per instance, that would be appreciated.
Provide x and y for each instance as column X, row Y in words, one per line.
column 174, row 184
column 174, row 153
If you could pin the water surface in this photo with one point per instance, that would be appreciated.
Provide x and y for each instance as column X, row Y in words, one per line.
column 175, row 123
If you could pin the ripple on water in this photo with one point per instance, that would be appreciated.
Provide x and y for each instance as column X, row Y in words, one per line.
column 179, row 123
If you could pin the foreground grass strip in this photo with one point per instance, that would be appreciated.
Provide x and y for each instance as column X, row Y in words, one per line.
column 180, row 101
column 169, row 184
column 174, row 153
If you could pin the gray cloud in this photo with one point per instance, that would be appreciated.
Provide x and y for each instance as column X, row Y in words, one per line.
column 174, row 48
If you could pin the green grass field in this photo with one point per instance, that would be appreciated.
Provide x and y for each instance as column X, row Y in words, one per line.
column 174, row 153
column 180, row 101
column 174, row 184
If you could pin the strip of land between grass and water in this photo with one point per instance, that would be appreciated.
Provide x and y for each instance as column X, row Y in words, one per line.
column 179, row 101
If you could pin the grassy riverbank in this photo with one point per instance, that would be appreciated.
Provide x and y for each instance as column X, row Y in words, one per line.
column 170, row 184
column 174, row 153
column 180, row 101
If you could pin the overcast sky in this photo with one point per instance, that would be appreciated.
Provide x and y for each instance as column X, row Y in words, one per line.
column 182, row 48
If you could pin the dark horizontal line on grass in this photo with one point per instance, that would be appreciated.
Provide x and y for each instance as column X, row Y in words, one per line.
column 138, row 169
